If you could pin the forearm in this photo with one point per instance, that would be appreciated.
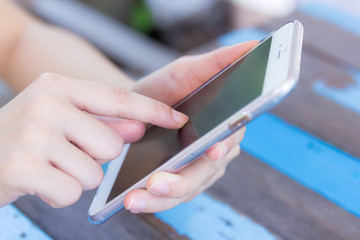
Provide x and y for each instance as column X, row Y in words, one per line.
column 37, row 48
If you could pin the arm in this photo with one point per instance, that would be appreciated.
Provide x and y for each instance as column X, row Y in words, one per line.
column 30, row 47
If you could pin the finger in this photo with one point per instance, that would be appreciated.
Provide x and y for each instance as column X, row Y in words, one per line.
column 219, row 150
column 54, row 186
column 75, row 163
column 129, row 130
column 219, row 174
column 106, row 100
column 91, row 135
column 190, row 179
column 178, row 185
column 142, row 201
column 188, row 73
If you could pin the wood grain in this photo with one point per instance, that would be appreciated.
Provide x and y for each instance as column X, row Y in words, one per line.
column 288, row 209
column 162, row 227
column 285, row 207
column 71, row 222
column 324, row 39
column 318, row 115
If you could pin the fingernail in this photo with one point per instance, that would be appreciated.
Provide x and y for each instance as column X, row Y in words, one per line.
column 137, row 205
column 179, row 117
column 223, row 151
column 159, row 187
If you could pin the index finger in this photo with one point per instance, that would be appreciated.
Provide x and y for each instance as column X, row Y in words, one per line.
column 111, row 101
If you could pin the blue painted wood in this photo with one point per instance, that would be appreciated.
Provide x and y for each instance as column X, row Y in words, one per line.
column 310, row 161
column 348, row 97
column 241, row 35
column 206, row 218
column 333, row 15
column 14, row 225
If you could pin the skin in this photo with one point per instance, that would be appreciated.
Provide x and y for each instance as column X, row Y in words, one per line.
column 87, row 111
column 179, row 78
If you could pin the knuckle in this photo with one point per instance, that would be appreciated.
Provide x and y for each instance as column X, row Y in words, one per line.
column 160, row 108
column 161, row 111
column 190, row 73
column 179, row 63
column 48, row 78
column 42, row 105
column 120, row 95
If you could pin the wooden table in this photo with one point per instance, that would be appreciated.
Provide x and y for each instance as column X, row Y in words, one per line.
column 271, row 198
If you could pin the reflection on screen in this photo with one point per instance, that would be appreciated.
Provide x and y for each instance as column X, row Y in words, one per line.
column 214, row 103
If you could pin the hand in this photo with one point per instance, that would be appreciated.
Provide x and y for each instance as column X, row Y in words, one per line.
column 178, row 79
column 55, row 134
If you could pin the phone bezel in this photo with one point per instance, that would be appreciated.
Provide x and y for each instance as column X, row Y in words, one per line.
column 288, row 36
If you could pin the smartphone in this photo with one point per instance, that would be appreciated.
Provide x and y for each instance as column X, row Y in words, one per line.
column 236, row 95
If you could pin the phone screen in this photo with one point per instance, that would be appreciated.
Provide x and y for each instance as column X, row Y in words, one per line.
column 209, row 106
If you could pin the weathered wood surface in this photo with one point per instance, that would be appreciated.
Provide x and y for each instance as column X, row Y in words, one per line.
column 282, row 205
column 328, row 50
column 318, row 115
column 286, row 208
column 71, row 222
column 325, row 40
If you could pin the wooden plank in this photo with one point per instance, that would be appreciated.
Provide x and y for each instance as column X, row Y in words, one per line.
column 324, row 39
column 285, row 207
column 321, row 116
column 162, row 227
column 310, row 161
column 207, row 218
column 72, row 223
column 15, row 225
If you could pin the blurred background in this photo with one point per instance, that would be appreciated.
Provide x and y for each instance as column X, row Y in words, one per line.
column 172, row 28
column 184, row 24
column 298, row 176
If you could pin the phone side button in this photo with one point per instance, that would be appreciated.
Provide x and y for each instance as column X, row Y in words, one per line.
column 240, row 122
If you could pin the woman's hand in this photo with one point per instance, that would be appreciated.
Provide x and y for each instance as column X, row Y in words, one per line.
column 55, row 134
column 170, row 85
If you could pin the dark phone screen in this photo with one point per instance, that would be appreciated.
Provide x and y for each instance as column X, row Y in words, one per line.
column 211, row 105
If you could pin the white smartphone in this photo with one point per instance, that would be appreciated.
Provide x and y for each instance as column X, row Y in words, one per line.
column 246, row 88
